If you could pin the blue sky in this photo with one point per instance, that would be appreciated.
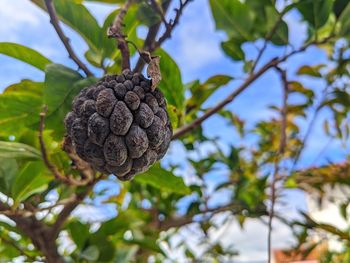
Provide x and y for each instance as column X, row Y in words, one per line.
column 195, row 46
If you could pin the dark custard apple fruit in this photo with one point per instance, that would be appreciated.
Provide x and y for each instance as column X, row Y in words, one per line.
column 119, row 125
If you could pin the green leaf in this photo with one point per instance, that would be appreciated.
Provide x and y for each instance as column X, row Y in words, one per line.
column 343, row 210
column 59, row 82
column 105, row 247
column 91, row 253
column 316, row 12
column 233, row 16
column 18, row 150
column 171, row 84
column 148, row 243
column 344, row 19
column 30, row 180
column 163, row 180
column 8, row 171
column 147, row 15
column 26, row 86
column 61, row 86
column 25, row 54
column 339, row 6
column 313, row 71
column 79, row 232
column 173, row 115
column 200, row 93
column 233, row 49
column 274, row 22
column 20, row 105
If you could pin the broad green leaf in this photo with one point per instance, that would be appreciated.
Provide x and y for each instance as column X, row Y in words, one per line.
column 313, row 71
column 164, row 180
column 200, row 93
column 20, row 105
column 105, row 247
column 233, row 16
column 59, row 82
column 25, row 54
column 61, row 86
column 173, row 115
column 171, row 84
column 8, row 171
column 147, row 243
column 94, row 58
column 26, row 86
column 233, row 49
column 299, row 88
column 79, row 233
column 316, row 12
column 91, row 253
column 273, row 22
column 31, row 179
column 344, row 19
column 339, row 6
column 147, row 15
column 18, row 150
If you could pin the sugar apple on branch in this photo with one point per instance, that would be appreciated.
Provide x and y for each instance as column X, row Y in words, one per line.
column 120, row 125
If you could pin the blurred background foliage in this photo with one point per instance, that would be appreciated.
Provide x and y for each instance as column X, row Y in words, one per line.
column 152, row 209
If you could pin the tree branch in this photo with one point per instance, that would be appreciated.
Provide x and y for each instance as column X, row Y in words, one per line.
column 279, row 155
column 149, row 43
column 252, row 77
column 64, row 214
column 181, row 131
column 55, row 22
column 115, row 31
column 188, row 219
column 268, row 37
column 82, row 166
column 169, row 29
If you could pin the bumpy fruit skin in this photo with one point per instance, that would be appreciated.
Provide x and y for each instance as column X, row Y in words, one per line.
column 119, row 125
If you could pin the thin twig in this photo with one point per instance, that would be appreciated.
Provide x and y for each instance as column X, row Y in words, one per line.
column 169, row 29
column 252, row 77
column 53, row 169
column 267, row 38
column 280, row 152
column 55, row 22
column 150, row 44
column 160, row 12
column 181, row 131
column 44, row 155
column 116, row 31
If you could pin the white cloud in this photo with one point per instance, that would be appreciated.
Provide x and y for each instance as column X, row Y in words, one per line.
column 197, row 44
column 16, row 15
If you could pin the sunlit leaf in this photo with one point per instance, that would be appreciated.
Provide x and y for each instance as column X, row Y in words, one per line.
column 8, row 170
column 61, row 86
column 25, row 54
column 18, row 150
column 233, row 49
column 233, row 16
column 171, row 86
column 31, row 179
column 313, row 71
column 200, row 93
column 163, row 179
column 316, row 12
